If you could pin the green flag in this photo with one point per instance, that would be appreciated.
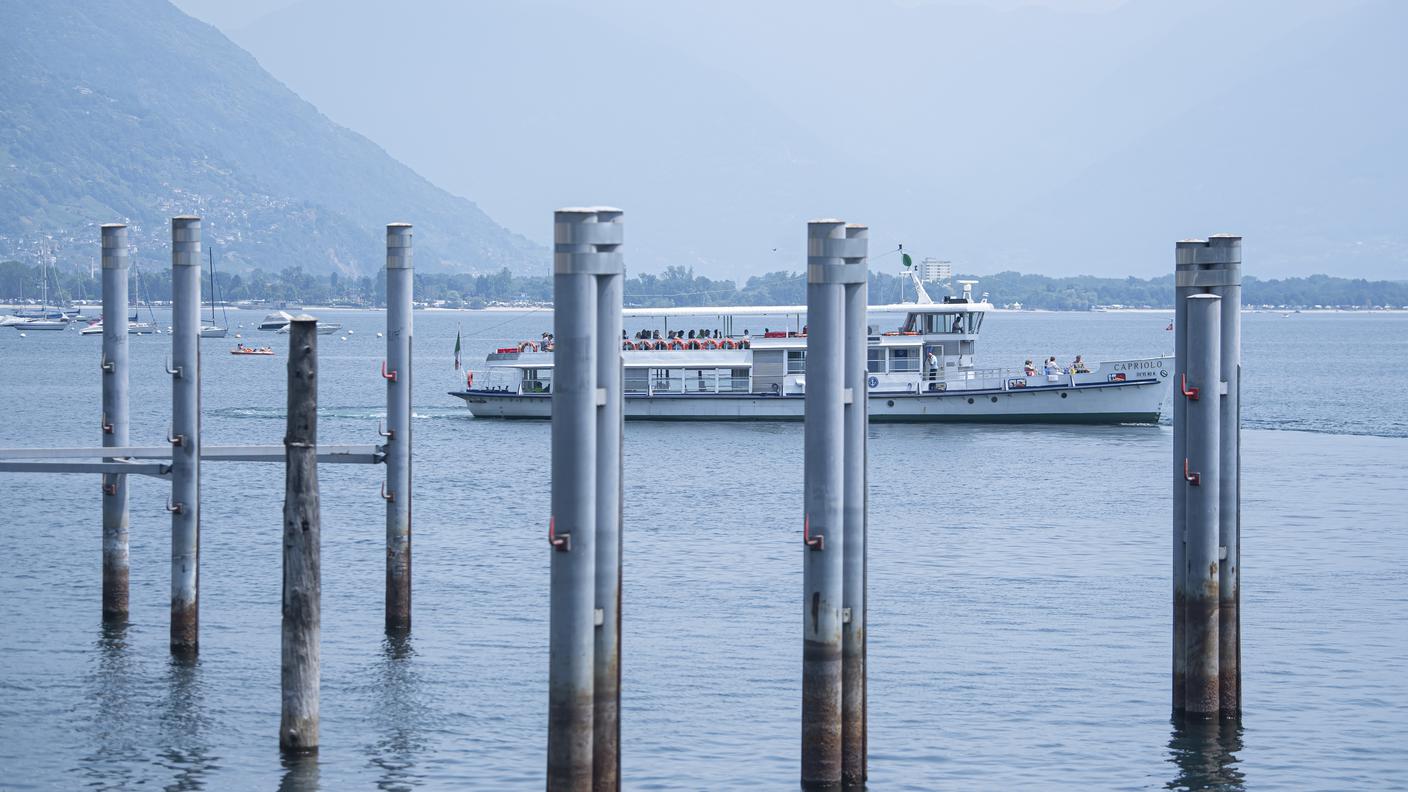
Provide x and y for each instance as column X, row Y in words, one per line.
column 457, row 349
column 908, row 262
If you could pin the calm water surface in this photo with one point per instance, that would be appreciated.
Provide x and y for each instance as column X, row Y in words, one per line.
column 1019, row 584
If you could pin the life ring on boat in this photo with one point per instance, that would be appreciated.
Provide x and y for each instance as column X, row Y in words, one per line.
column 727, row 343
column 710, row 343
column 626, row 344
column 658, row 344
column 675, row 343
column 694, row 343
column 527, row 346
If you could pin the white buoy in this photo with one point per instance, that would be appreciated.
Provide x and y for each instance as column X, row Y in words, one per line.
column 344, row 338
column 237, row 335
column 350, row 332
column 24, row 335
column 378, row 335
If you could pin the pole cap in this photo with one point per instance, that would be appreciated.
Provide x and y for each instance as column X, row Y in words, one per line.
column 114, row 244
column 1207, row 263
column 836, row 252
column 185, row 241
column 398, row 246
column 587, row 241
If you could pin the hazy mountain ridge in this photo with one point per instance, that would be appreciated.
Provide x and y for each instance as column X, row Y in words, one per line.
column 132, row 110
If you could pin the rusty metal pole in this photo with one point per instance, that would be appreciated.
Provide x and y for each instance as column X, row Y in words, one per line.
column 1201, row 488
column 302, row 589
column 1224, row 260
column 397, row 372
column 572, row 526
column 115, row 421
column 185, row 438
column 606, row 695
column 1185, row 260
column 855, row 418
column 823, row 532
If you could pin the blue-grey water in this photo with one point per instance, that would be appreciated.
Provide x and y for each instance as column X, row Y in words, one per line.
column 1019, row 581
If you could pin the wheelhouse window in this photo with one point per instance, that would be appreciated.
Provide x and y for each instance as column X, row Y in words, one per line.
column 904, row 359
column 875, row 363
column 796, row 361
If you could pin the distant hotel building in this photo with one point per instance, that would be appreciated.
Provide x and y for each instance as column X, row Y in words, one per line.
column 934, row 271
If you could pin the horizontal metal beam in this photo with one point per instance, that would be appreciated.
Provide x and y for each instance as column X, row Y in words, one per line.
column 130, row 468
column 345, row 454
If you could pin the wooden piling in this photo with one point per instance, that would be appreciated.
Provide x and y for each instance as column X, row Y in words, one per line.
column 302, row 585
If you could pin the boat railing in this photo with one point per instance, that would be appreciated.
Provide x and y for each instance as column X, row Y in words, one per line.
column 994, row 379
column 709, row 382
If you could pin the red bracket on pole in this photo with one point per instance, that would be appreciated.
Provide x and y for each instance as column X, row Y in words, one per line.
column 817, row 542
column 107, row 427
column 1191, row 393
column 562, row 543
column 387, row 375
column 1196, row 479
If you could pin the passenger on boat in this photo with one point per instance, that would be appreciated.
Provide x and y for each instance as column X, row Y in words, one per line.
column 1028, row 368
column 933, row 366
column 1078, row 366
column 1051, row 367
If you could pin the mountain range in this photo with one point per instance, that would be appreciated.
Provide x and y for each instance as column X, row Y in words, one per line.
column 132, row 111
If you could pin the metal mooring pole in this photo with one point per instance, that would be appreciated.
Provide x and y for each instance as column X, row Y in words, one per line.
column 185, row 437
column 115, row 421
column 302, row 595
column 1224, row 261
column 855, row 417
column 1185, row 253
column 572, row 526
column 606, row 696
column 1200, row 490
column 823, row 487
column 397, row 372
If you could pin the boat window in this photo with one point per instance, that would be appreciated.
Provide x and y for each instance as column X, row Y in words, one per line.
column 637, row 380
column 876, row 362
column 904, row 359
column 912, row 323
column 975, row 321
column 796, row 361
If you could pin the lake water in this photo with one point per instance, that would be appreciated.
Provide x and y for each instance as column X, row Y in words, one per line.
column 1019, row 582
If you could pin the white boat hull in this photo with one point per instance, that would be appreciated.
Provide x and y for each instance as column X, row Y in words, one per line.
column 1135, row 401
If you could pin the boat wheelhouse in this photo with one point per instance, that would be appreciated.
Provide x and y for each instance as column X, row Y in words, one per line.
column 922, row 366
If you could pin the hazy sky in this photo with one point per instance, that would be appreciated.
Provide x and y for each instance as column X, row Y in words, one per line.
column 1058, row 137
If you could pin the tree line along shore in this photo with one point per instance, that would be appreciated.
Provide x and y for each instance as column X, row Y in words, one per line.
column 681, row 286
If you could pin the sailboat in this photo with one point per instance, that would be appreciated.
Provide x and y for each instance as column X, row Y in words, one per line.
column 44, row 318
column 213, row 330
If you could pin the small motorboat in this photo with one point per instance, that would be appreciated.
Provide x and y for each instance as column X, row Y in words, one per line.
column 324, row 328
column 241, row 349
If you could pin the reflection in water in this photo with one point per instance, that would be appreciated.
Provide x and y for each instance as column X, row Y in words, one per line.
column 183, row 727
column 400, row 710
column 300, row 773
column 111, row 690
column 1205, row 751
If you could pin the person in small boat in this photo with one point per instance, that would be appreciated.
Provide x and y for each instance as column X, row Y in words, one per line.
column 1078, row 366
column 1051, row 367
column 1028, row 368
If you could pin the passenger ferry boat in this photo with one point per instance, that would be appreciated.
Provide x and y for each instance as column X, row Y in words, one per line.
column 922, row 369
